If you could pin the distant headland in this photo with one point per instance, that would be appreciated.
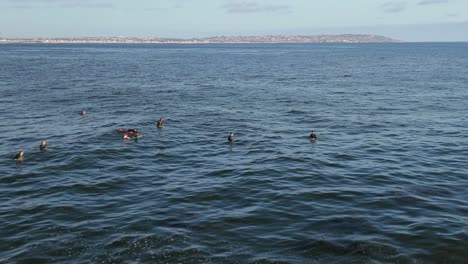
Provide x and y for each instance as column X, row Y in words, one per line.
column 344, row 38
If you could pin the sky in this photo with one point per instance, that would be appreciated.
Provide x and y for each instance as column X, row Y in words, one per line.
column 407, row 20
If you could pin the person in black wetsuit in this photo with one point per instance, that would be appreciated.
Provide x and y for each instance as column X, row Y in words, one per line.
column 43, row 145
column 19, row 156
column 312, row 135
column 231, row 137
column 160, row 123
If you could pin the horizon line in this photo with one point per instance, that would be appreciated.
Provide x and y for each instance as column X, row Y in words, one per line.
column 278, row 38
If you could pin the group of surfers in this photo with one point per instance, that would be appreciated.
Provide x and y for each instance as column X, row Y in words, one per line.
column 42, row 147
column 133, row 133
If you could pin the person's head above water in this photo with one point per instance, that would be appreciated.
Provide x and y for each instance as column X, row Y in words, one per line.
column 19, row 156
column 313, row 135
column 126, row 137
column 160, row 121
column 83, row 112
column 43, row 145
column 231, row 136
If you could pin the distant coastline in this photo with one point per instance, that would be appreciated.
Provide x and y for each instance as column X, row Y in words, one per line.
column 344, row 38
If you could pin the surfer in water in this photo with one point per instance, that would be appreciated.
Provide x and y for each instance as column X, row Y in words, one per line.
column 160, row 123
column 19, row 156
column 312, row 135
column 43, row 145
column 83, row 112
column 231, row 137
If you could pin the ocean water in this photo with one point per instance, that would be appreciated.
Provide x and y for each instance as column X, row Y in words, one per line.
column 385, row 182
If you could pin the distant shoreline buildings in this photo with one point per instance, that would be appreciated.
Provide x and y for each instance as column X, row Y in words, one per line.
column 345, row 38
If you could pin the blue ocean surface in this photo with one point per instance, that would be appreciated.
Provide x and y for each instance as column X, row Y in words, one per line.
column 386, row 181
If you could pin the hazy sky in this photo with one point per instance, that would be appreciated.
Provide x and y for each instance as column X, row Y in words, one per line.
column 409, row 20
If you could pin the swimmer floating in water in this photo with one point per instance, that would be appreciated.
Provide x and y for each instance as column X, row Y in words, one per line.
column 43, row 145
column 83, row 112
column 160, row 123
column 312, row 135
column 132, row 136
column 19, row 156
column 231, row 137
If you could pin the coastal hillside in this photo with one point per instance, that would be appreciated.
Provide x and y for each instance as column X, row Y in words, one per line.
column 345, row 38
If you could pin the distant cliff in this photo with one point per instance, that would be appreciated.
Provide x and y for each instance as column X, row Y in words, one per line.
column 345, row 38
